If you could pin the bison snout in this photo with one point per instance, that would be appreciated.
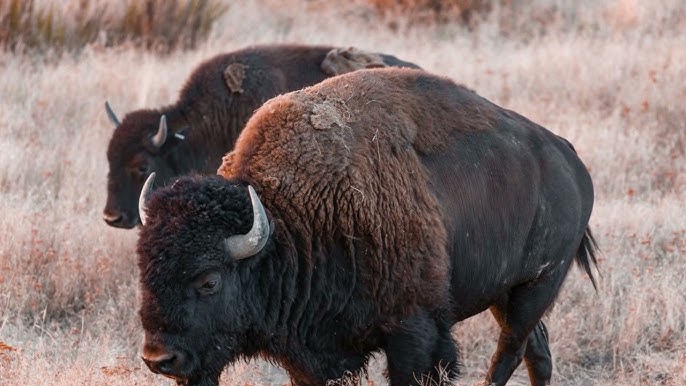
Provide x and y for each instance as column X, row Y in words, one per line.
column 117, row 219
column 165, row 363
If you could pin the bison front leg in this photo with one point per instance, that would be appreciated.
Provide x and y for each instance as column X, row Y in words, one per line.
column 423, row 352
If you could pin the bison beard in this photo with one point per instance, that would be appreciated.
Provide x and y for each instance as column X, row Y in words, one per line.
column 398, row 204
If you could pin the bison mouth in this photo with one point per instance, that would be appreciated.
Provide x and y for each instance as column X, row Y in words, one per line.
column 121, row 220
column 193, row 380
column 183, row 367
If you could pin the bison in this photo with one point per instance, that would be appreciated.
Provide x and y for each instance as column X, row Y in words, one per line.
column 370, row 212
column 213, row 106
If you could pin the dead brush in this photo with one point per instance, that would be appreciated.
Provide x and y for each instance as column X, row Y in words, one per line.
column 163, row 26
column 436, row 11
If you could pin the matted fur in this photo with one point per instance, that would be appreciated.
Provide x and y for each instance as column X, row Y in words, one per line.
column 342, row 60
column 234, row 75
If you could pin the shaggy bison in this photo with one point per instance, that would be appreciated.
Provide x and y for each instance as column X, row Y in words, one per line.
column 213, row 106
column 367, row 213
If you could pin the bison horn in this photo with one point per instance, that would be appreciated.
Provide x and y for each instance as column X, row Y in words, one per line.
column 145, row 195
column 161, row 136
column 111, row 115
column 249, row 244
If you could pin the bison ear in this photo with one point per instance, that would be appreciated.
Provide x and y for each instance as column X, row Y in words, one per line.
column 111, row 115
column 161, row 135
column 249, row 244
column 144, row 197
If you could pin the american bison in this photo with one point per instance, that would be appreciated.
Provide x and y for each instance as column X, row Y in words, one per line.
column 370, row 212
column 213, row 106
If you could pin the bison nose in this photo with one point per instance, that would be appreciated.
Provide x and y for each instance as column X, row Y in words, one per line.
column 168, row 363
column 115, row 219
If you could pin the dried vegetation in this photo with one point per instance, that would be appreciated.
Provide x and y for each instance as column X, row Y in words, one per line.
column 607, row 75
column 57, row 27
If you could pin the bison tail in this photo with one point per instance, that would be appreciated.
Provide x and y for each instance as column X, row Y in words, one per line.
column 586, row 255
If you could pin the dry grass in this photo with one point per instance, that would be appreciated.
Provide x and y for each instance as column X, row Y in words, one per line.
column 606, row 75
column 57, row 27
column 435, row 11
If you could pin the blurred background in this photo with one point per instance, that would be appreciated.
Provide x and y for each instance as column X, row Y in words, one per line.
column 608, row 75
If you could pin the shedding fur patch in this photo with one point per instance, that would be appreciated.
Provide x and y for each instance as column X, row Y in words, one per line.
column 329, row 114
column 234, row 75
column 342, row 60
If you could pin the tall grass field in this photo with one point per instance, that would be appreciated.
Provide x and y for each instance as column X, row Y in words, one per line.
column 608, row 75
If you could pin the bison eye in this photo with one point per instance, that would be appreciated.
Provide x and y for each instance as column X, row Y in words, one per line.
column 208, row 284
column 140, row 172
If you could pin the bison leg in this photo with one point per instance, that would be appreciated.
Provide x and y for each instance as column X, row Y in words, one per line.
column 446, row 358
column 537, row 357
column 422, row 353
column 523, row 335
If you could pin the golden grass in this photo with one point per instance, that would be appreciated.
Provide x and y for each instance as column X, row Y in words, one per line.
column 606, row 75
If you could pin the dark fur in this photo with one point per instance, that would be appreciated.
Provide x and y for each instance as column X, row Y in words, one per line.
column 209, row 114
column 402, row 204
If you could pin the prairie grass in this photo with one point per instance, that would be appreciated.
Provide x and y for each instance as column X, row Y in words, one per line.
column 58, row 27
column 607, row 75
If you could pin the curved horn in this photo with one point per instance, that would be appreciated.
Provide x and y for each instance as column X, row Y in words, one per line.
column 111, row 115
column 145, row 195
column 249, row 244
column 161, row 136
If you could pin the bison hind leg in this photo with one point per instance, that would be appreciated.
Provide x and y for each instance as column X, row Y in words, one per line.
column 523, row 335
column 424, row 352
column 537, row 357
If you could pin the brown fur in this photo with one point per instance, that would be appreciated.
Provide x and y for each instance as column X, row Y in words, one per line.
column 297, row 141
column 343, row 60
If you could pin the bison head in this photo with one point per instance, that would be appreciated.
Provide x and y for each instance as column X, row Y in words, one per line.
column 140, row 145
column 195, row 308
